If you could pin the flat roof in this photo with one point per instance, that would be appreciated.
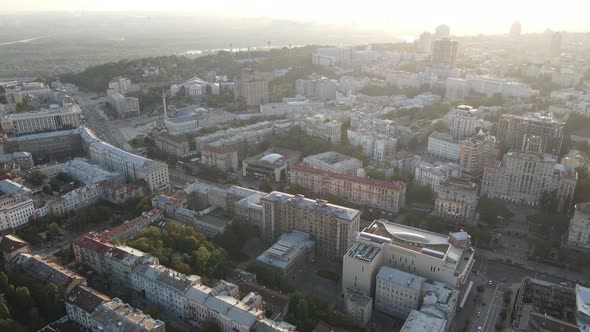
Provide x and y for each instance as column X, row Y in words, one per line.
column 338, row 211
column 402, row 278
column 287, row 247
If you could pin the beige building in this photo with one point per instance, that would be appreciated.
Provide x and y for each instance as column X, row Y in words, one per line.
column 126, row 107
column 115, row 315
column 224, row 158
column 385, row 195
column 173, row 144
column 475, row 151
column 528, row 177
column 457, row 200
column 516, row 130
column 252, row 87
column 462, row 122
column 579, row 229
column 324, row 128
column 445, row 258
column 120, row 84
column 331, row 226
column 55, row 118
column 397, row 292
column 289, row 254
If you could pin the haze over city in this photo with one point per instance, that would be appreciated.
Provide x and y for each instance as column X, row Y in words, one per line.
column 294, row 166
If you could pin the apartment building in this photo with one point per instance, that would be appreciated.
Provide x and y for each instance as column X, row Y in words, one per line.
column 516, row 131
column 332, row 56
column 252, row 87
column 447, row 259
column 397, row 293
column 527, row 177
column 15, row 211
column 115, row 315
column 474, row 152
column 224, row 158
column 579, row 229
column 457, row 200
column 432, row 175
column 120, row 84
column 385, row 195
column 81, row 303
column 443, row 145
column 324, row 128
column 331, row 226
column 131, row 166
column 53, row 119
column 444, row 53
column 462, row 122
column 321, row 89
column 173, row 144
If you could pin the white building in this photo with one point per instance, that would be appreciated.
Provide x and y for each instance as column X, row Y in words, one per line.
column 290, row 253
column 120, row 84
column 126, row 107
column 15, row 211
column 52, row 119
column 321, row 89
column 332, row 56
column 433, row 174
column 579, row 228
column 444, row 146
column 462, row 122
column 457, row 200
column 359, row 306
column 419, row 321
column 397, row 293
column 458, row 88
column 324, row 128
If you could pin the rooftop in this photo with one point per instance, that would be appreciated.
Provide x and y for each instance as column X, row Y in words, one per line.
column 337, row 211
column 45, row 270
column 583, row 307
column 269, row 295
column 402, row 278
column 86, row 298
column 418, row 321
column 10, row 243
column 334, row 160
column 118, row 316
column 11, row 187
column 459, row 184
column 284, row 251
column 167, row 277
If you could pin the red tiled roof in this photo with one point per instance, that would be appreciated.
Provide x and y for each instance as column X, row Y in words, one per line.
column 396, row 185
column 108, row 235
column 91, row 242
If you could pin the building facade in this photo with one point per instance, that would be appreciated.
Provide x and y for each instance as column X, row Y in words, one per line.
column 474, row 152
column 457, row 200
column 579, row 228
column 224, row 158
column 443, row 145
column 432, row 175
column 397, row 293
column 516, row 131
column 462, row 122
column 252, row 87
column 55, row 118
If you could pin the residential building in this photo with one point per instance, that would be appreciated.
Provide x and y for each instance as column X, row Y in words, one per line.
column 555, row 46
column 15, row 211
column 474, row 152
column 274, row 301
column 458, row 88
column 425, row 42
column 17, row 161
column 457, row 200
column 444, row 53
column 334, row 162
column 378, row 147
column 384, row 195
column 462, row 122
column 583, row 307
column 131, row 166
column 46, row 271
column 321, row 89
column 332, row 56
column 517, row 130
column 175, row 145
column 419, row 321
column 163, row 286
column 272, row 164
column 443, row 145
column 579, row 228
column 528, row 177
column 332, row 226
column 448, row 259
column 433, row 174
column 55, row 118
column 291, row 106
column 397, row 293
column 120, row 84
column 81, row 303
column 515, row 29
column 359, row 306
column 126, row 107
column 291, row 252
column 252, row 87
column 324, row 128
column 455, row 89
column 12, row 245
column 117, row 316
column 224, row 158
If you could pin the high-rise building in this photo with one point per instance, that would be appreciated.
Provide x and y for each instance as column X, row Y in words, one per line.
column 475, row 152
column 515, row 29
column 425, row 42
column 442, row 31
column 444, row 53
column 252, row 87
column 331, row 226
column 555, row 46
column 516, row 131
column 462, row 122
column 529, row 178
column 456, row 200
column 579, row 229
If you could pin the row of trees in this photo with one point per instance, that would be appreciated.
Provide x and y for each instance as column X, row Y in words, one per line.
column 184, row 250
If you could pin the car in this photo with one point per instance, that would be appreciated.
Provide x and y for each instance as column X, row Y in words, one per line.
column 479, row 328
column 478, row 314
column 490, row 282
column 564, row 283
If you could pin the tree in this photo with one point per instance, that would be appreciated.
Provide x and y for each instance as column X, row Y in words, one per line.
column 37, row 178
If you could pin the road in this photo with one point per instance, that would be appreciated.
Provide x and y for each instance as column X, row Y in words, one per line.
column 95, row 119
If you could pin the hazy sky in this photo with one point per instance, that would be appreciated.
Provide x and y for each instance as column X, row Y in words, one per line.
column 464, row 16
